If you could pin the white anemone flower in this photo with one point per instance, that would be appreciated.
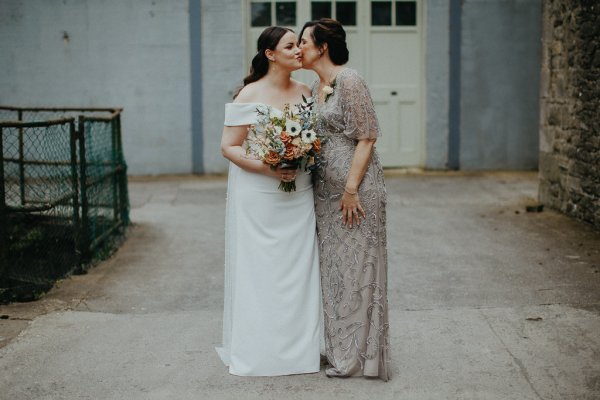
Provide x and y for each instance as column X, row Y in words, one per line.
column 292, row 127
column 309, row 136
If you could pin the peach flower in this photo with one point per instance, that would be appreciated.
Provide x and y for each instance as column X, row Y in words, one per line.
column 272, row 158
column 317, row 145
column 285, row 138
column 289, row 152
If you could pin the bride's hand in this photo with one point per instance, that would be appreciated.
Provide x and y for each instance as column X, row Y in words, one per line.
column 283, row 174
column 351, row 208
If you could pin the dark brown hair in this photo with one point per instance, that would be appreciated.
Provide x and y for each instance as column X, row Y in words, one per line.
column 330, row 31
column 268, row 40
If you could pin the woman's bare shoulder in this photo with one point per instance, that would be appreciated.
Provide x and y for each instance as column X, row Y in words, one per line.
column 303, row 88
column 249, row 93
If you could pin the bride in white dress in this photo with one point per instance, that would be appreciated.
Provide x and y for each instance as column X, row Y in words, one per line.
column 271, row 319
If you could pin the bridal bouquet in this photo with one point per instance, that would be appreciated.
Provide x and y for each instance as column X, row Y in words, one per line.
column 286, row 140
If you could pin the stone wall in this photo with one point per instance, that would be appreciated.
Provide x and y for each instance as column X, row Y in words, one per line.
column 570, row 109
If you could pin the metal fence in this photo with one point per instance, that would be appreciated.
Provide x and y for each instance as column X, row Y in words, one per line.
column 63, row 194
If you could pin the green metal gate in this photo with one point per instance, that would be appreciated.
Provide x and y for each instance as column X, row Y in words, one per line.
column 63, row 194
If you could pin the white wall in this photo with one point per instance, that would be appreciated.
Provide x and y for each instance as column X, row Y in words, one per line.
column 119, row 53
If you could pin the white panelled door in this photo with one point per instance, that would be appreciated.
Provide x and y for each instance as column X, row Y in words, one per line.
column 385, row 43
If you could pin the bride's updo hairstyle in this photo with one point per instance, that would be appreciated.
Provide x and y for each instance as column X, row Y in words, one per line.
column 330, row 31
column 267, row 40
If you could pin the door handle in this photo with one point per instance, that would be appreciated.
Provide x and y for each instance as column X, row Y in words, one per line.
column 393, row 93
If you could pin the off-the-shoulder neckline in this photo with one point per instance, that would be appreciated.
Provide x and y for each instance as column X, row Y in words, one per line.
column 259, row 103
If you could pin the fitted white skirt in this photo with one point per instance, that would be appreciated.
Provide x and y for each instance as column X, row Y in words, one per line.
column 271, row 321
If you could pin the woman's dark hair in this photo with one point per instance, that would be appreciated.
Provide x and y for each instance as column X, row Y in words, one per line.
column 268, row 40
column 330, row 31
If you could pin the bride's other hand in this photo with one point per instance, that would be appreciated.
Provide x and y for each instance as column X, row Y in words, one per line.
column 231, row 147
column 283, row 174
column 352, row 210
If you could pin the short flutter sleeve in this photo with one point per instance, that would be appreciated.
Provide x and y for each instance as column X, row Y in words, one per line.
column 237, row 114
column 360, row 119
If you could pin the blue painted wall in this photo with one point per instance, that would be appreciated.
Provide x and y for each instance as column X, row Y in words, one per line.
column 173, row 65
column 117, row 53
column 222, row 72
column 437, row 75
column 500, row 75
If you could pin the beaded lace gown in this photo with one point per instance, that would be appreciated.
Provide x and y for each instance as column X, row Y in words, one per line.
column 353, row 261
column 272, row 311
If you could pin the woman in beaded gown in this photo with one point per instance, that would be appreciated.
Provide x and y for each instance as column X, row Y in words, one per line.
column 350, row 202
column 272, row 313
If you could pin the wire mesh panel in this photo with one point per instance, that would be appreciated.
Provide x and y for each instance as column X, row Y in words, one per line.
column 37, row 164
column 63, row 195
column 102, row 169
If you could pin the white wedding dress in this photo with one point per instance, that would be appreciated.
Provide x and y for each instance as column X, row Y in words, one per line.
column 272, row 309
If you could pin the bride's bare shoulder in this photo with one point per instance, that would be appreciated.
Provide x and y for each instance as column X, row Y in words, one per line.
column 303, row 88
column 249, row 93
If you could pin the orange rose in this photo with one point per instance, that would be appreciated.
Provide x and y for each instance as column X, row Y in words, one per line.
column 289, row 152
column 317, row 145
column 272, row 158
column 285, row 138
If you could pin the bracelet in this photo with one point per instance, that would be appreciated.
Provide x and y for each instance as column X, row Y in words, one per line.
column 349, row 192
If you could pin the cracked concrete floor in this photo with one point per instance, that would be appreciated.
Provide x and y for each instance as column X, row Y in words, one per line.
column 486, row 302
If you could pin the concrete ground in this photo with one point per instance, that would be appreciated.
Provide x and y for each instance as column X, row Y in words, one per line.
column 486, row 300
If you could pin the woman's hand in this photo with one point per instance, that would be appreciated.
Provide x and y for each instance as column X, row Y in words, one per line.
column 283, row 174
column 352, row 210
column 231, row 147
